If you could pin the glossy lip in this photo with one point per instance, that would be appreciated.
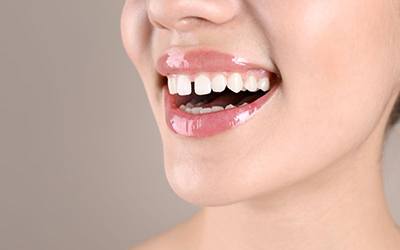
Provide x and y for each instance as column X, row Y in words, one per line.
column 176, row 61
column 204, row 125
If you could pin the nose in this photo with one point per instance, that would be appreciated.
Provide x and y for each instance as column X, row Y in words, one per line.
column 184, row 15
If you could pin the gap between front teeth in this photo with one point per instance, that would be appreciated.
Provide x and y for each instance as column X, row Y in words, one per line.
column 203, row 84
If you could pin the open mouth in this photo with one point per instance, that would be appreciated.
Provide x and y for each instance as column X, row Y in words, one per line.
column 210, row 103
column 214, row 92
column 208, row 92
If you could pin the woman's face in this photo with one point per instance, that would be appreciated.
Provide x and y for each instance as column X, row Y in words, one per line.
column 336, row 65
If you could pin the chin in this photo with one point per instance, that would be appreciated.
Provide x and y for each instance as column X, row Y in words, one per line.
column 223, row 177
column 197, row 190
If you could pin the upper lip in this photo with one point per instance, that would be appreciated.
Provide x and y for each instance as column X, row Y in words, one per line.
column 179, row 61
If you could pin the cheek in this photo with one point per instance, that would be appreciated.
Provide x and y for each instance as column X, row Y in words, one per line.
column 334, row 57
column 136, row 32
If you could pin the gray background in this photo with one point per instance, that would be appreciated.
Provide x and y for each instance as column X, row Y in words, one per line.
column 80, row 164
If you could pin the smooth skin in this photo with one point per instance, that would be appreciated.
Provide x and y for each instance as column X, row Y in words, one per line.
column 305, row 172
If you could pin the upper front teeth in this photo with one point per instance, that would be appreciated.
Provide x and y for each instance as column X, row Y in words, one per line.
column 172, row 86
column 183, row 85
column 203, row 84
column 218, row 83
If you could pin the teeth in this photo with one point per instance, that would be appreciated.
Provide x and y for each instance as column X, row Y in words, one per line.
column 218, row 83
column 235, row 82
column 251, row 84
column 195, row 110
column 187, row 109
column 230, row 106
column 183, row 85
column 217, row 108
column 202, row 85
column 199, row 110
column 172, row 85
column 263, row 84
column 205, row 110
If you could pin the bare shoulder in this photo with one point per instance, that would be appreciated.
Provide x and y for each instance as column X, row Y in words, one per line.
column 179, row 237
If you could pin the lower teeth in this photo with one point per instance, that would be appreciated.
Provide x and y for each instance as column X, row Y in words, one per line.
column 188, row 108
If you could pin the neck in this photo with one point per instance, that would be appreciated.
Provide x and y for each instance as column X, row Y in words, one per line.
column 341, row 207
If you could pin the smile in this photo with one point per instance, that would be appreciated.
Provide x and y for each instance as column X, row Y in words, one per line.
column 208, row 92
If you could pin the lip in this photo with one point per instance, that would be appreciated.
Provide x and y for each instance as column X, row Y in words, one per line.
column 204, row 125
column 176, row 61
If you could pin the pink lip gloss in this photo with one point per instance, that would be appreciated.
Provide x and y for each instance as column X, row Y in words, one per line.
column 203, row 125
column 208, row 124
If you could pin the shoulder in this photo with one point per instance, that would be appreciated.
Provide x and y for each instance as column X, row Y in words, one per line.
column 179, row 237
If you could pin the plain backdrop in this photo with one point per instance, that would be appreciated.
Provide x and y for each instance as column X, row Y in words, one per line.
column 81, row 162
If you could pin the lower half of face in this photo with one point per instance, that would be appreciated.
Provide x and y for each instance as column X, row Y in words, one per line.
column 337, row 80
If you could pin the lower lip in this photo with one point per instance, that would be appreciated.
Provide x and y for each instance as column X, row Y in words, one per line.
column 205, row 125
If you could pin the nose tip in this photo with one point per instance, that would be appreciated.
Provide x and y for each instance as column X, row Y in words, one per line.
column 184, row 15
